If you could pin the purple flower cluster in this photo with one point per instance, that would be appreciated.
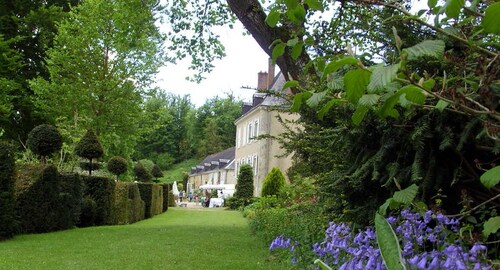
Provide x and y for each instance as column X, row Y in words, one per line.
column 282, row 242
column 425, row 240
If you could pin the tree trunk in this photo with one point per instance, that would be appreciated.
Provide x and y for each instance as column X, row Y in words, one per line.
column 90, row 166
column 252, row 16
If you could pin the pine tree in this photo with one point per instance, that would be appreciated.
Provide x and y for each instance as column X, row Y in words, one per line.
column 273, row 183
column 90, row 148
column 244, row 187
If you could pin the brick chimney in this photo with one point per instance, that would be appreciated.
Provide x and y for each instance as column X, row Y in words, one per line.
column 262, row 83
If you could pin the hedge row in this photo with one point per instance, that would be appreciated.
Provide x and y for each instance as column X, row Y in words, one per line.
column 8, row 224
column 44, row 200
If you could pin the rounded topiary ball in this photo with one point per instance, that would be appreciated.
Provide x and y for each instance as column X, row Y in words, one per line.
column 117, row 165
column 156, row 171
column 44, row 140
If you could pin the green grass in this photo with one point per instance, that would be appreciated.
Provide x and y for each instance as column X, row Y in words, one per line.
column 178, row 239
column 175, row 173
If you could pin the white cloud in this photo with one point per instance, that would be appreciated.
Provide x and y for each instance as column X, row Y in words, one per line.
column 244, row 59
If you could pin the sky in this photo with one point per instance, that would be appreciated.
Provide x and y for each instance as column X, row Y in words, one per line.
column 238, row 69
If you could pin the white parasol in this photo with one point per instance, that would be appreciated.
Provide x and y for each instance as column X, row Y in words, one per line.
column 175, row 191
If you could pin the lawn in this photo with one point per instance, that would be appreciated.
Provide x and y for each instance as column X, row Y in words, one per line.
column 178, row 239
column 175, row 173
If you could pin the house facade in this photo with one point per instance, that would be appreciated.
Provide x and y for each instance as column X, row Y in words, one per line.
column 261, row 118
column 215, row 169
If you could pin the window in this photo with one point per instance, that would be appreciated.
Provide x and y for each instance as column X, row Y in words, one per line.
column 256, row 128
column 250, row 133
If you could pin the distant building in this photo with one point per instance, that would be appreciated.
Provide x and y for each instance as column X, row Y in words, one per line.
column 260, row 118
column 215, row 169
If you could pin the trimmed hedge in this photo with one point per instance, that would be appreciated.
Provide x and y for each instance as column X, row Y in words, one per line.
column 138, row 206
column 38, row 203
column 8, row 224
column 171, row 197
column 152, row 195
column 71, row 198
column 128, row 206
column 165, row 197
column 100, row 190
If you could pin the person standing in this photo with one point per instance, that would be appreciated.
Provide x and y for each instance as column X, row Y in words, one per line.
column 180, row 196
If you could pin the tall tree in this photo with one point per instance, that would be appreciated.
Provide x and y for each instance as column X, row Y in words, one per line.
column 27, row 29
column 104, row 58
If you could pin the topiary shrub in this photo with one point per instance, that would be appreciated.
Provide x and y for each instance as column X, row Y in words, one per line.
column 90, row 148
column 101, row 190
column 165, row 197
column 273, row 183
column 44, row 140
column 141, row 173
column 244, row 186
column 89, row 212
column 117, row 166
column 87, row 166
column 146, row 195
column 38, row 201
column 121, row 204
column 156, row 172
column 8, row 224
column 71, row 192
column 138, row 207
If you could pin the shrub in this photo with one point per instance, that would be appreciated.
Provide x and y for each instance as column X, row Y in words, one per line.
column 152, row 196
column 121, row 205
column 273, row 183
column 244, row 186
column 38, row 202
column 101, row 190
column 89, row 212
column 165, row 197
column 44, row 140
column 171, row 198
column 7, row 211
column 89, row 147
column 141, row 173
column 137, row 207
column 87, row 166
column 156, row 172
column 72, row 196
column 117, row 165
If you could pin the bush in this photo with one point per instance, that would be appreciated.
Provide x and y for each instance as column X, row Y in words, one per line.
column 141, row 173
column 8, row 224
column 38, row 203
column 273, row 183
column 89, row 147
column 165, row 197
column 171, row 199
column 44, row 140
column 89, row 212
column 117, row 165
column 101, row 190
column 156, row 172
column 235, row 203
column 152, row 196
column 121, row 205
column 244, row 186
column 138, row 207
column 72, row 197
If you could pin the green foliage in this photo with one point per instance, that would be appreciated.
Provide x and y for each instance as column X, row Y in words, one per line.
column 152, row 195
column 128, row 206
column 166, row 197
column 44, row 140
column 137, row 206
column 8, row 225
column 491, row 226
column 273, row 183
column 156, row 172
column 388, row 243
column 117, row 165
column 38, row 200
column 98, row 201
column 90, row 148
column 491, row 177
column 71, row 194
column 141, row 173
column 244, row 186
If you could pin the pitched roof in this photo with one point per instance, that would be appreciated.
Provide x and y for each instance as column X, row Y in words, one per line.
column 221, row 160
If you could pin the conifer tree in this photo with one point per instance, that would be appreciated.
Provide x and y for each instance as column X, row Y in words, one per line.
column 244, row 187
column 90, row 148
column 273, row 183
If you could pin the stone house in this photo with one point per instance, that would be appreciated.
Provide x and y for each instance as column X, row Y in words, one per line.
column 215, row 169
column 260, row 118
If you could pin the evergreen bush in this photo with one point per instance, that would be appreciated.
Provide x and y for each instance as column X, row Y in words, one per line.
column 38, row 200
column 72, row 197
column 101, row 191
column 117, row 165
column 141, row 173
column 156, row 172
column 146, row 195
column 273, row 183
column 44, row 140
column 165, row 197
column 90, row 148
column 121, row 204
column 137, row 209
column 244, row 186
column 8, row 224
